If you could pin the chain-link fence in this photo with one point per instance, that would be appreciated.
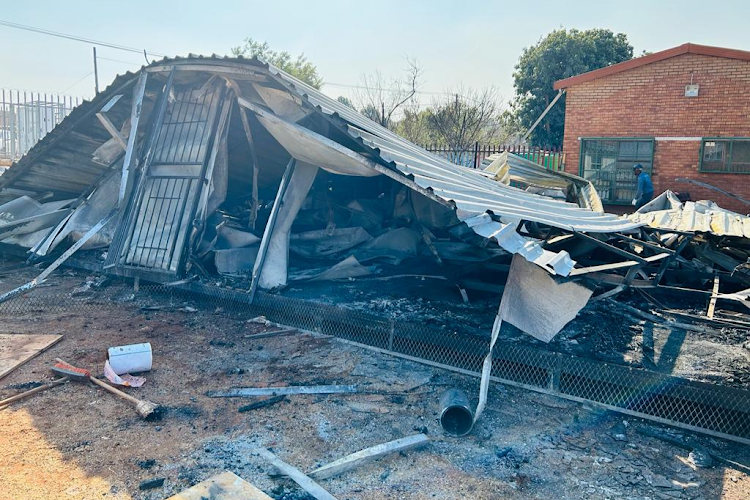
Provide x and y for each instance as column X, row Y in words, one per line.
column 709, row 408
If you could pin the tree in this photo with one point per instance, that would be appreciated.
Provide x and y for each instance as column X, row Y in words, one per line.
column 559, row 55
column 415, row 125
column 381, row 99
column 346, row 102
column 462, row 117
column 299, row 68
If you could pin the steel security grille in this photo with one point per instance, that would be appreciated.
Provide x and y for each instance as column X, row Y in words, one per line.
column 160, row 218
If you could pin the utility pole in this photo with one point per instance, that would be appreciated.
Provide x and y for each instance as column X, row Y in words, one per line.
column 96, row 73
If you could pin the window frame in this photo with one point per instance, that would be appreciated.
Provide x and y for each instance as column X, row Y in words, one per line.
column 731, row 141
column 651, row 139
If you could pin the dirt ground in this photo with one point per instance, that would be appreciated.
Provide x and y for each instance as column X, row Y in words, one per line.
column 79, row 442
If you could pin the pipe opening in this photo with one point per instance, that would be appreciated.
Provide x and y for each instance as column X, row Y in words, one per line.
column 456, row 416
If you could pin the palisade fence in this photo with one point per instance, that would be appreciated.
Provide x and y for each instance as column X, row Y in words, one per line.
column 26, row 117
column 472, row 156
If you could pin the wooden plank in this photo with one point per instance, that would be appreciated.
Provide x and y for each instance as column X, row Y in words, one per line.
column 113, row 131
column 224, row 486
column 17, row 349
column 5, row 402
column 296, row 475
column 354, row 460
column 712, row 302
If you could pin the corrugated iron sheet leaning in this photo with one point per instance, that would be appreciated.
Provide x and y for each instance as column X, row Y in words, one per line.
column 203, row 165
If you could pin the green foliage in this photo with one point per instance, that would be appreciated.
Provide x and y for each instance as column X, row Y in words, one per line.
column 300, row 67
column 415, row 126
column 561, row 54
column 346, row 102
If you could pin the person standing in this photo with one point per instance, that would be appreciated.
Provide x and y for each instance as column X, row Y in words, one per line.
column 645, row 191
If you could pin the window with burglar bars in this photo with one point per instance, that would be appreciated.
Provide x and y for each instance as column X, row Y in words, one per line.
column 608, row 164
column 725, row 155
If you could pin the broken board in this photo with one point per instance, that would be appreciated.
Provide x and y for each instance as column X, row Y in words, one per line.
column 536, row 303
column 224, row 486
column 16, row 349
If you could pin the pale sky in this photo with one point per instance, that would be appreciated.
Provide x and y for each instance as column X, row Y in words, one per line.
column 468, row 43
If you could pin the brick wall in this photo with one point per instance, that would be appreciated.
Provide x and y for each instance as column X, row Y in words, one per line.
column 649, row 101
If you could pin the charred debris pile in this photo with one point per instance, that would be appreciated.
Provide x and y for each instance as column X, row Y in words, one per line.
column 233, row 173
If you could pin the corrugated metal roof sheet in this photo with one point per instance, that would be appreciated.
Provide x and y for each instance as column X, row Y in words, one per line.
column 666, row 211
column 39, row 169
column 471, row 191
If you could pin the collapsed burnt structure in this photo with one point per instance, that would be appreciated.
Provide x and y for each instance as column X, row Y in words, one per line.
column 209, row 163
column 216, row 170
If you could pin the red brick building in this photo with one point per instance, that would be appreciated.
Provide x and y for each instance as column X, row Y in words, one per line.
column 681, row 113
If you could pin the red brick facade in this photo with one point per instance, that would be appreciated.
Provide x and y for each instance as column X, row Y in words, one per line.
column 649, row 101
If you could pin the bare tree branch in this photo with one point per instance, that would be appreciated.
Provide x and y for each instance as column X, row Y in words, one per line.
column 381, row 100
column 465, row 117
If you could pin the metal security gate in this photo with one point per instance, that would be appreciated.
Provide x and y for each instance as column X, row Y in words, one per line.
column 153, row 234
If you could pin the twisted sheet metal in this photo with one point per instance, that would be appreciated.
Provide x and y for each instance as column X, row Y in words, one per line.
column 493, row 210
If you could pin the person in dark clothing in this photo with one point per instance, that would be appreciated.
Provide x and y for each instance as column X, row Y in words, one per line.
column 645, row 191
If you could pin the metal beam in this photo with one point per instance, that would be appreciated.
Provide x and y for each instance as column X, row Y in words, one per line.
column 60, row 260
column 253, row 153
column 544, row 113
column 611, row 248
column 135, row 116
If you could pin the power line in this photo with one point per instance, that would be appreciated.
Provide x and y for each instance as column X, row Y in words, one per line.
column 77, row 38
column 77, row 82
column 118, row 60
column 364, row 87
column 91, row 41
